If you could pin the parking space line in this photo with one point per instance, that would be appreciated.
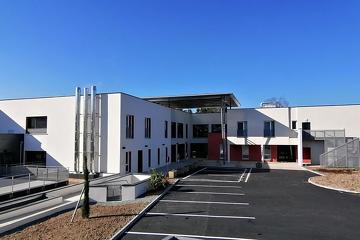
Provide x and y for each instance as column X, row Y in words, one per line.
column 223, row 175
column 242, row 175
column 198, row 215
column 248, row 175
column 214, row 193
column 194, row 173
column 207, row 180
column 185, row 235
column 209, row 186
column 204, row 202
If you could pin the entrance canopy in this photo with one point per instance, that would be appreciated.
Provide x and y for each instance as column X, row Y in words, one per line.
column 197, row 101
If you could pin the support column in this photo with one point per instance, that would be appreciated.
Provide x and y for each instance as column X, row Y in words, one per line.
column 262, row 153
column 223, row 111
column 300, row 147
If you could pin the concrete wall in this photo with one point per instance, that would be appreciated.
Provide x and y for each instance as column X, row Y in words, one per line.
column 58, row 142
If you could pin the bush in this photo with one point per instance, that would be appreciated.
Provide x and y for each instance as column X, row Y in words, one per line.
column 157, row 180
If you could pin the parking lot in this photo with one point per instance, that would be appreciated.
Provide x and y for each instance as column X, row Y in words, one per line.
column 250, row 204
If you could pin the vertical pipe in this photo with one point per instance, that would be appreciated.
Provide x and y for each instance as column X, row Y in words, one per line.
column 85, row 123
column 77, row 129
column 93, row 128
column 300, row 147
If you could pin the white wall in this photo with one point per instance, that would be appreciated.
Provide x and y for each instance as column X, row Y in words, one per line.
column 140, row 109
column 58, row 142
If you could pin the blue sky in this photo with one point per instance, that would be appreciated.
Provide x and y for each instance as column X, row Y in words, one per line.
column 305, row 51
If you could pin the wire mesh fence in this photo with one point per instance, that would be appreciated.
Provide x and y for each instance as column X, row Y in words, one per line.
column 345, row 156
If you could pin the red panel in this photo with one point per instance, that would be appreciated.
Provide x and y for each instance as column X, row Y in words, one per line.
column 255, row 152
column 307, row 155
column 214, row 140
column 235, row 152
column 274, row 153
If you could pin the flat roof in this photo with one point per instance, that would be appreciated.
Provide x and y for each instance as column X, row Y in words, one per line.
column 196, row 100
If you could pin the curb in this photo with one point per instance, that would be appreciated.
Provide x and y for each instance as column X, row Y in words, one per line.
column 332, row 188
column 313, row 171
column 119, row 234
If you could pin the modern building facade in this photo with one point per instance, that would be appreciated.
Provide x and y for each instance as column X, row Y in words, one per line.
column 120, row 133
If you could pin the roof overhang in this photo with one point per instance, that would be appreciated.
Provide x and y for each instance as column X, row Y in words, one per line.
column 196, row 101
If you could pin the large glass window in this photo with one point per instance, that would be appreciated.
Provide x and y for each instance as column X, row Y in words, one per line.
column 186, row 131
column 149, row 157
column 267, row 152
column 200, row 130
column 36, row 124
column 306, row 126
column 166, row 129
column 128, row 162
column 216, row 128
column 242, row 129
column 269, row 129
column 173, row 129
column 245, row 152
column 180, row 130
column 35, row 158
column 147, row 127
column 293, row 125
column 129, row 126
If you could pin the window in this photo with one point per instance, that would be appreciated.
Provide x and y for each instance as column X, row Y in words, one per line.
column 128, row 162
column 216, row 128
column 166, row 129
column 245, row 152
column 242, row 129
column 166, row 155
column 180, row 130
column 173, row 129
column 36, row 124
column 149, row 157
column 200, row 130
column 35, row 158
column 129, row 126
column 186, row 131
column 267, row 152
column 158, row 156
column 306, row 126
column 293, row 125
column 147, row 127
column 269, row 129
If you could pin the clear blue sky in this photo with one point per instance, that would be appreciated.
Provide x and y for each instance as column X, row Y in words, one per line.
column 305, row 51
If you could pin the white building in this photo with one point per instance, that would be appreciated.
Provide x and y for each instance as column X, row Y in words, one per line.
column 130, row 134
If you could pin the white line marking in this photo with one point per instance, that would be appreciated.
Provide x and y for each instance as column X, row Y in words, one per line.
column 186, row 235
column 215, row 193
column 197, row 215
column 207, row 180
column 242, row 175
column 248, row 175
column 211, row 186
column 222, row 175
column 204, row 202
column 194, row 173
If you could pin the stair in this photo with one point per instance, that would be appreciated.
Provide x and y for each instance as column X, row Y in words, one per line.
column 346, row 155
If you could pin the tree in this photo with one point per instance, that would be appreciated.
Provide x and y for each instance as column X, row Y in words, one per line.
column 275, row 102
column 85, row 209
column 207, row 110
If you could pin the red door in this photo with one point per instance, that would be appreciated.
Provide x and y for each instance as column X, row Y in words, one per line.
column 307, row 155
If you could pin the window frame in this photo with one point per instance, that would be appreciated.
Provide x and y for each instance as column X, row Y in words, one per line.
column 35, row 129
column 128, row 162
column 195, row 133
column 244, row 130
column 267, row 155
column 147, row 127
column 271, row 131
column 129, row 126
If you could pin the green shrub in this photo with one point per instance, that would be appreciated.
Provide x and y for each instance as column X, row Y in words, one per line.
column 157, row 180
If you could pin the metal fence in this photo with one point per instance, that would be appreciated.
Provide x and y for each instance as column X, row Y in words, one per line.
column 25, row 177
column 344, row 156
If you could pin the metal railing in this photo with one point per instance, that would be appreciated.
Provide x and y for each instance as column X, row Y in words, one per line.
column 344, row 156
column 25, row 177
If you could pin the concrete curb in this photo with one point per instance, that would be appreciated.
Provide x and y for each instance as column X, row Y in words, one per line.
column 332, row 188
column 119, row 234
column 313, row 171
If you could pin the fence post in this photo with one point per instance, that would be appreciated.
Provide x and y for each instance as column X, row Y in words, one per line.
column 29, row 183
column 12, row 186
